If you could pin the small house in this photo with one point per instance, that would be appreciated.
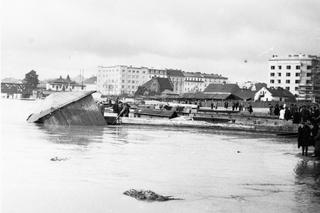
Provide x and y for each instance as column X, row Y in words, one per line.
column 273, row 94
column 155, row 86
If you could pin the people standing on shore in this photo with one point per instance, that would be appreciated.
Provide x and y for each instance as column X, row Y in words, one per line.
column 276, row 110
column 250, row 109
column 281, row 113
column 226, row 104
column 304, row 137
column 270, row 109
column 317, row 145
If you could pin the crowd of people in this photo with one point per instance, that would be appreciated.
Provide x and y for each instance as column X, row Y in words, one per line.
column 308, row 118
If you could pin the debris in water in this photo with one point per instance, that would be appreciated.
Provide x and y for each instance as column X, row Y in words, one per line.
column 58, row 159
column 148, row 195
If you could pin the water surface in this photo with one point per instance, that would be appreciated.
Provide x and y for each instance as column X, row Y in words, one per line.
column 213, row 171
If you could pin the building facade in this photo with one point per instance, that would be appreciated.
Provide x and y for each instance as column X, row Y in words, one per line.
column 213, row 79
column 161, row 73
column 120, row 79
column 177, row 79
column 296, row 73
column 193, row 82
column 64, row 85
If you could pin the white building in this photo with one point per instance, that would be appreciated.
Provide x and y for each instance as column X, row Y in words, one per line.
column 294, row 73
column 120, row 79
column 193, row 82
column 213, row 79
column 272, row 94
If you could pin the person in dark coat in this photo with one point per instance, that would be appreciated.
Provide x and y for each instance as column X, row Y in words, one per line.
column 250, row 109
column 276, row 110
column 304, row 138
column 287, row 114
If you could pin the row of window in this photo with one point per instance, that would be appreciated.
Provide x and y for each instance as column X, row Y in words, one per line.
column 133, row 87
column 288, row 67
column 288, row 74
column 134, row 71
column 288, row 81
column 129, row 81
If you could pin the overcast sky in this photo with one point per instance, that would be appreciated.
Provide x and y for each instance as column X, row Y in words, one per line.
column 60, row 37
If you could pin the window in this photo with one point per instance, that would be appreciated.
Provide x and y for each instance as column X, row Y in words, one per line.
column 297, row 81
column 128, row 81
column 133, row 82
column 122, row 86
column 132, row 87
column 279, row 67
column 297, row 74
column 279, row 74
column 272, row 67
column 296, row 88
column 288, row 74
column 271, row 81
column 309, row 74
column 308, row 67
column 288, row 67
column 279, row 81
column 308, row 81
column 287, row 88
column 298, row 67
column 287, row 81
column 122, row 81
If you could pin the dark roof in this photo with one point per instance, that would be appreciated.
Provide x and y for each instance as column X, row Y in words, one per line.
column 61, row 80
column 246, row 94
column 164, row 83
column 222, row 88
column 280, row 92
column 203, row 96
column 91, row 80
column 192, row 74
column 13, row 88
column 178, row 73
column 214, row 76
column 260, row 85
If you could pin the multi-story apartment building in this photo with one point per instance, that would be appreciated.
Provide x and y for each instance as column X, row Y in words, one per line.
column 177, row 79
column 161, row 73
column 296, row 73
column 120, row 79
column 213, row 79
column 193, row 82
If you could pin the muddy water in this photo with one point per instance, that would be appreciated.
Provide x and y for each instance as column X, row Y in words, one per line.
column 213, row 171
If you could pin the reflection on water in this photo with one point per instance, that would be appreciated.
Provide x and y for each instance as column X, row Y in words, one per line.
column 214, row 171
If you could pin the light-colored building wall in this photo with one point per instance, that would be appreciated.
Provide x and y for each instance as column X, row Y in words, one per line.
column 292, row 72
column 60, row 87
column 120, row 79
column 161, row 73
column 178, row 84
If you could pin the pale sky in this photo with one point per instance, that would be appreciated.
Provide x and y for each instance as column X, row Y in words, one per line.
column 60, row 37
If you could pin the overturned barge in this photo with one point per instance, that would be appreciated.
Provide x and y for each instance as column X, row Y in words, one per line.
column 68, row 108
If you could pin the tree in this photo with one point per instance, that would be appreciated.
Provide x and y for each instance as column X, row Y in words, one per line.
column 31, row 81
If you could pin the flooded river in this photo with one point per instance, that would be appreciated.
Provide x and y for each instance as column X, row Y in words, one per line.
column 213, row 171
